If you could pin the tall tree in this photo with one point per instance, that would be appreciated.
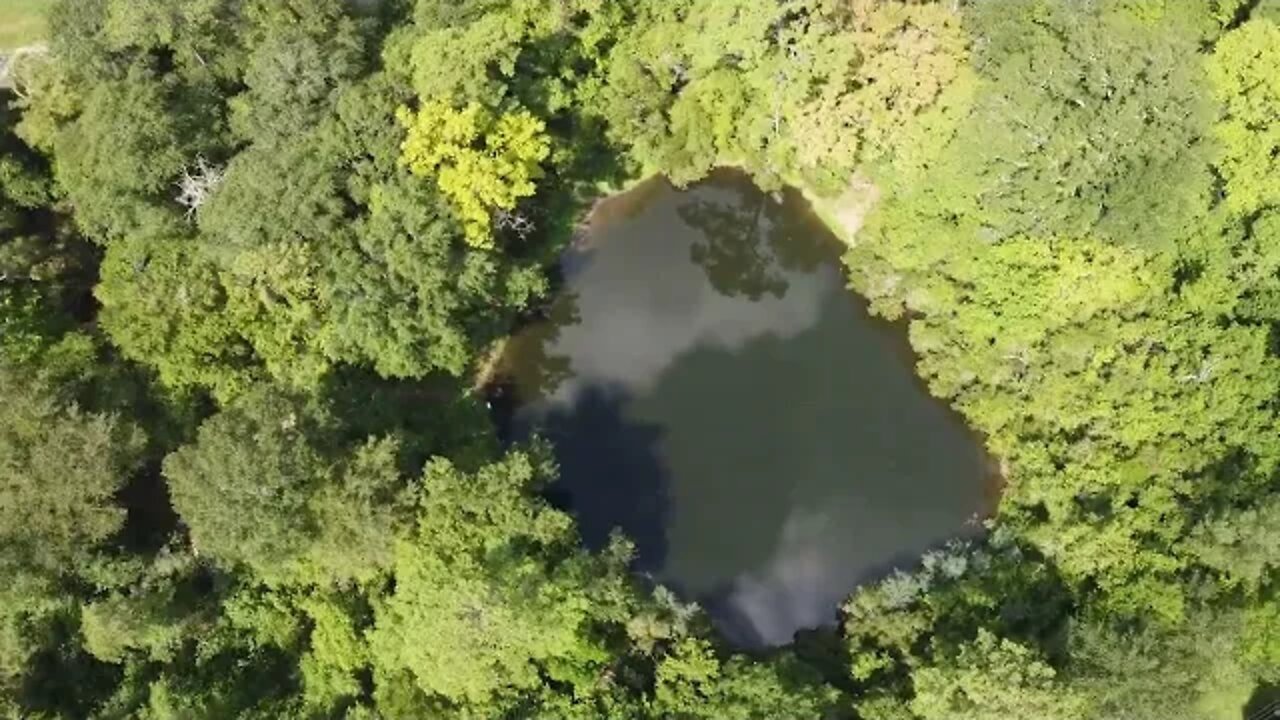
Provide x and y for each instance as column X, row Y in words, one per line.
column 483, row 163
column 493, row 594
column 264, row 487
column 62, row 468
column 1244, row 69
column 991, row 679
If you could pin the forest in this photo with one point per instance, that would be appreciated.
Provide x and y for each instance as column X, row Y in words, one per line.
column 254, row 255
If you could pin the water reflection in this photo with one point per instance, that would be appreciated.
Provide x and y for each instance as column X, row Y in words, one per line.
column 530, row 360
column 715, row 392
column 611, row 464
column 634, row 303
column 748, row 240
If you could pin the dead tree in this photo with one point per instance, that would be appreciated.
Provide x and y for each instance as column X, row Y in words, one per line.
column 198, row 182
column 515, row 221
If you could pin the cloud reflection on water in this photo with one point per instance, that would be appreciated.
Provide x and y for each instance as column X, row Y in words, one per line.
column 713, row 390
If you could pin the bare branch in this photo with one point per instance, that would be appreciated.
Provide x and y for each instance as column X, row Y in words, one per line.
column 515, row 221
column 197, row 184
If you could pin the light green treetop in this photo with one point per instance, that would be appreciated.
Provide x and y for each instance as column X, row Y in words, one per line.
column 1245, row 73
column 482, row 161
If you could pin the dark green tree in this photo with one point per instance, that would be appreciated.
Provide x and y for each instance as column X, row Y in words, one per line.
column 264, row 488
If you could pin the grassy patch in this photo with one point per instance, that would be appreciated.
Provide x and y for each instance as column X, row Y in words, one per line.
column 22, row 22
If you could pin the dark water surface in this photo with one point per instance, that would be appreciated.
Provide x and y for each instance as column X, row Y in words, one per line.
column 713, row 390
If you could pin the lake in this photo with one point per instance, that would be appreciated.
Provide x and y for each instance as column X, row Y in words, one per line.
column 713, row 390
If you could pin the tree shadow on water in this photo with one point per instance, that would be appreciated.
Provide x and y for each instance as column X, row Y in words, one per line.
column 733, row 252
column 530, row 363
column 611, row 474
column 751, row 239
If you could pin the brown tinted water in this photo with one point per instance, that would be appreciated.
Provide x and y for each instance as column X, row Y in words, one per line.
column 714, row 391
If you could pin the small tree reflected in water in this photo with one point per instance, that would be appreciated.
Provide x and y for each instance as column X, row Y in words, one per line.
column 749, row 240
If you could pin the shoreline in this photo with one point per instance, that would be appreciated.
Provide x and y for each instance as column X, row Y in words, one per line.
column 9, row 60
column 842, row 215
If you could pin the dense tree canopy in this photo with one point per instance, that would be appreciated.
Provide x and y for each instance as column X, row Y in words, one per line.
column 254, row 255
column 62, row 468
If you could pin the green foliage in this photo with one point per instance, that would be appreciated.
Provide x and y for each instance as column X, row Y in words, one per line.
column 262, row 487
column 330, row 670
column 902, row 58
column 32, row 604
column 42, row 262
column 797, row 88
column 694, row 684
column 122, row 154
column 60, row 471
column 162, row 304
column 288, row 264
column 680, row 103
column 1087, row 123
column 1261, row 640
column 315, row 210
column 994, row 679
column 510, row 52
column 1068, row 320
column 243, row 487
column 1138, row 673
column 490, row 594
column 403, row 298
column 1242, row 546
column 1245, row 73
column 153, row 617
column 300, row 53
